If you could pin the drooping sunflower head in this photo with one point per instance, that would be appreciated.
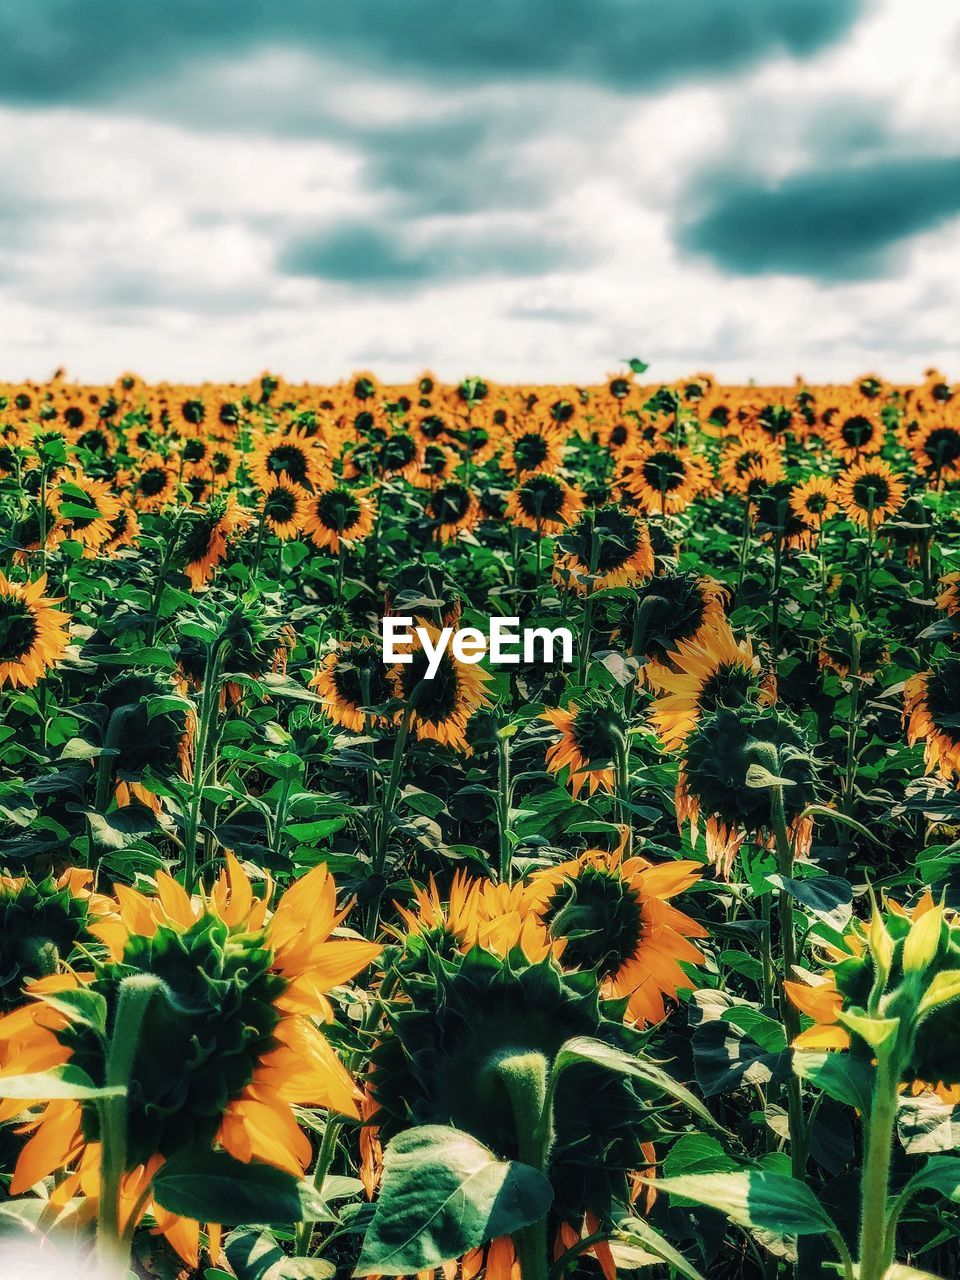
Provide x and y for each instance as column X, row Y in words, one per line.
column 452, row 509
column 452, row 1041
column 932, row 715
column 439, row 708
column 663, row 478
column 205, row 534
column 543, row 503
column 352, row 681
column 612, row 917
column 715, row 782
column 709, row 671
column 842, row 647
column 338, row 514
column 670, row 608
column 870, row 491
column 605, row 546
column 936, row 447
column 424, row 589
column 283, row 506
column 33, row 632
column 775, row 517
column 41, row 923
column 144, row 741
column 592, row 738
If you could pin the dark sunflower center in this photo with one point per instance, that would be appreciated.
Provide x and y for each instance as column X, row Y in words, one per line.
column 74, row 416
column 153, row 481
column 198, row 538
column 529, row 451
column 857, row 431
column 280, row 505
column 194, row 451
column 449, row 503
column 337, row 509
column 600, row 917
column 18, row 629
column 229, row 414
column 363, row 389
column 775, row 419
column 435, row 461
column 673, row 610
column 620, row 388
column 220, row 463
column 192, row 411
column 94, row 440
column 398, row 452
column 664, row 471
column 541, row 497
column 437, row 698
column 431, row 426
column 618, row 435
column 942, row 446
column 815, row 503
column 289, row 458
column 871, row 491
column 746, row 460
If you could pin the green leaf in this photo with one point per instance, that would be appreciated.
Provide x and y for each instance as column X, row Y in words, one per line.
column 255, row 1254
column 584, row 1049
column 638, row 1231
column 638, row 366
column 840, row 1075
column 444, row 1193
column 63, row 1082
column 927, row 1125
column 875, row 1031
column 752, row 1199
column 901, row 1272
column 725, row 1059
column 940, row 1173
column 215, row 1187
column 697, row 1153
column 86, row 1008
column 830, row 898
column 121, row 828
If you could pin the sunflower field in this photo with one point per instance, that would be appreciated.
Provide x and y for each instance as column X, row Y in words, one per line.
column 642, row 958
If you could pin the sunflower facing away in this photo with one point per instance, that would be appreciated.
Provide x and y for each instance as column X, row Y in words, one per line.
column 712, row 670
column 452, row 509
column 591, row 738
column 662, row 479
column 932, row 715
column 869, row 491
column 351, row 680
column 226, row 1064
column 205, row 538
column 543, row 503
column 338, row 515
column 33, row 632
column 613, row 916
column 439, row 709
column 608, row 546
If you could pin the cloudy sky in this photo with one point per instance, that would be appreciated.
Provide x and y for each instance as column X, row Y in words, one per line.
column 531, row 189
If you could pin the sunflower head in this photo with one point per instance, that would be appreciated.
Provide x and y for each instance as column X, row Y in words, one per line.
column 672, row 607
column 40, row 924
column 33, row 631
column 870, row 491
column 932, row 713
column 605, row 546
column 440, row 707
column 592, row 738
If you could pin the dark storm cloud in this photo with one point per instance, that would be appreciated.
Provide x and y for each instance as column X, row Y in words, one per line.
column 61, row 51
column 378, row 257
column 833, row 224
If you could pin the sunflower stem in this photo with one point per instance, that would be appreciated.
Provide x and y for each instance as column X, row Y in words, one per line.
column 744, row 545
column 876, row 1243
column 504, row 804
column 853, row 726
column 328, row 1149
column 525, row 1078
column 209, row 703
column 586, row 629
column 135, row 994
column 386, row 811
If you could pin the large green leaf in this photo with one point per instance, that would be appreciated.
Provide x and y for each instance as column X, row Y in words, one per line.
column 940, row 1173
column 215, row 1187
column 637, row 1231
column 255, row 1254
column 769, row 1201
column 583, row 1049
column 444, row 1193
column 64, row 1082
column 928, row 1125
column 840, row 1075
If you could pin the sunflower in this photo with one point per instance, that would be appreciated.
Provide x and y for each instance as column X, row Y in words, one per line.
column 533, row 444
column 613, row 917
column 592, row 738
column 713, row 780
column 154, row 484
column 745, row 461
column 932, row 715
column 337, row 515
column 476, row 912
column 672, row 608
column 225, row 1061
column 607, row 546
column 350, row 681
column 855, row 431
column 204, row 539
column 33, row 631
column 87, row 509
column 543, row 503
column 283, row 506
column 846, row 987
column 936, row 448
column 440, row 1057
column 712, row 670
column 293, row 454
column 662, row 478
column 841, row 645
column 439, row 709
column 41, row 924
column 438, row 462
column 948, row 594
column 452, row 509
column 814, row 500
column 398, row 456
column 870, row 491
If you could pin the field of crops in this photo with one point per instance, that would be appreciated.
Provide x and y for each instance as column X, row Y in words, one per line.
column 316, row 964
